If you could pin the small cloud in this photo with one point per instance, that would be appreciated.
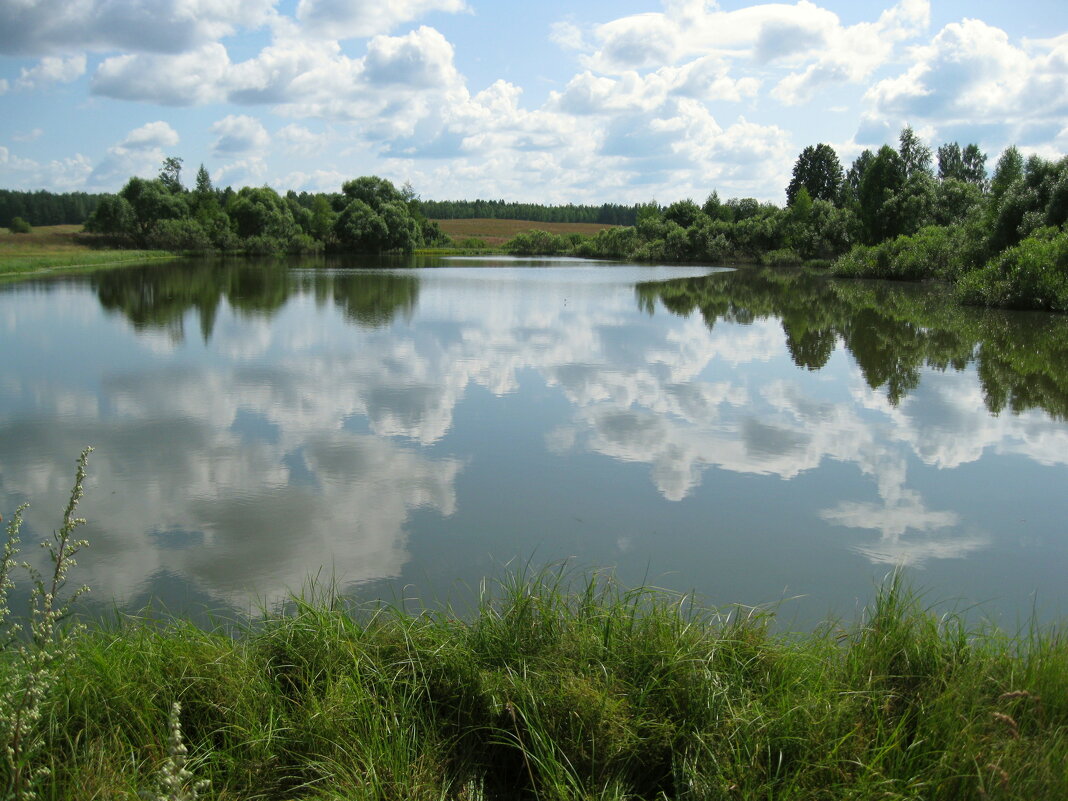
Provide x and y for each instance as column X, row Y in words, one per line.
column 150, row 135
column 52, row 69
column 344, row 19
column 298, row 139
column 568, row 36
column 239, row 133
column 29, row 136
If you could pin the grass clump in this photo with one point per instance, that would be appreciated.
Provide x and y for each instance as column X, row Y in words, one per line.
column 558, row 685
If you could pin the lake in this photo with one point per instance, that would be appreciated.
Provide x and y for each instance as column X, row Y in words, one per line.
column 757, row 436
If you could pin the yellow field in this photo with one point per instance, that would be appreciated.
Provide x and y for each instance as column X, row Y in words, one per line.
column 497, row 232
column 44, row 240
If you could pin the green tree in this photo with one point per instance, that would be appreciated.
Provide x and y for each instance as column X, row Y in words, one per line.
column 150, row 202
column 171, row 174
column 1009, row 169
column 915, row 155
column 819, row 171
column 855, row 176
column 883, row 179
column 359, row 227
column 113, row 216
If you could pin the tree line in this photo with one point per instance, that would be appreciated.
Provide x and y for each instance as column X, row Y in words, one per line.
column 904, row 213
column 606, row 213
column 46, row 208
column 369, row 215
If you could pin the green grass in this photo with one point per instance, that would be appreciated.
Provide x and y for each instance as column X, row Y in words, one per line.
column 25, row 266
column 565, row 686
column 61, row 248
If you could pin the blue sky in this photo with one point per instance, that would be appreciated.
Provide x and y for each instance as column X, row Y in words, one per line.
column 557, row 102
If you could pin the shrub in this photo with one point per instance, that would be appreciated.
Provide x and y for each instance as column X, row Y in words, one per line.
column 1031, row 275
column 19, row 226
column 536, row 243
column 177, row 235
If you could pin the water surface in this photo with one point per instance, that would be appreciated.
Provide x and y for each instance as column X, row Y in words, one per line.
column 754, row 435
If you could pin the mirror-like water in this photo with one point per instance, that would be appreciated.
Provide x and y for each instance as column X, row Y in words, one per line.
column 754, row 435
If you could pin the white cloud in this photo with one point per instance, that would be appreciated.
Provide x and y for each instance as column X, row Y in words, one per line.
column 345, row 19
column 52, row 69
column 151, row 135
column 298, row 139
column 245, row 171
column 61, row 175
column 195, row 77
column 971, row 71
column 161, row 26
column 28, row 136
column 140, row 153
column 239, row 134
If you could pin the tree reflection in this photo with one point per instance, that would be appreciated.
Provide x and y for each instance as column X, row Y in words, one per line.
column 160, row 296
column 892, row 331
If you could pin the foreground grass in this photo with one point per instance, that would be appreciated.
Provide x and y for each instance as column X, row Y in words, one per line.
column 560, row 688
column 60, row 248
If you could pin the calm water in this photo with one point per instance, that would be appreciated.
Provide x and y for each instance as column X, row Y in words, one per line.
column 754, row 435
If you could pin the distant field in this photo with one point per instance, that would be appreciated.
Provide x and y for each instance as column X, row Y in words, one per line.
column 497, row 232
column 54, row 247
column 45, row 239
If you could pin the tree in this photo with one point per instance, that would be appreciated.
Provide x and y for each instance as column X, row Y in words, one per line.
column 203, row 185
column 883, row 178
column 150, row 202
column 974, row 165
column 372, row 190
column 968, row 165
column 851, row 186
column 819, row 171
column 683, row 212
column 915, row 155
column 113, row 215
column 1009, row 169
column 171, row 175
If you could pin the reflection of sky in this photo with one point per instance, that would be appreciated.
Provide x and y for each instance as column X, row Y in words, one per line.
column 300, row 441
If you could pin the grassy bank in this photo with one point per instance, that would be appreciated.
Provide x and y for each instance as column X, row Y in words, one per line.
column 565, row 687
column 495, row 233
column 60, row 248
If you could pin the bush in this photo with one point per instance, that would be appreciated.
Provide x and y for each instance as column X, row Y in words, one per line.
column 1031, row 275
column 179, row 235
column 943, row 252
column 536, row 243
column 19, row 226
column 784, row 257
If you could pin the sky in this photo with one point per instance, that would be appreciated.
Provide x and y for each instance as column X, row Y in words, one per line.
column 596, row 101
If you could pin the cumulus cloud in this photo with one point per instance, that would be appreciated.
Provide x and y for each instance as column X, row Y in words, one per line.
column 195, row 77
column 971, row 70
column 239, row 134
column 62, row 175
column 28, row 136
column 52, row 69
column 345, row 19
column 299, row 139
column 140, row 152
column 160, row 26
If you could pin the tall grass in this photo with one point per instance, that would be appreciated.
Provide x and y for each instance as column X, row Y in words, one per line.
column 559, row 685
column 568, row 686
